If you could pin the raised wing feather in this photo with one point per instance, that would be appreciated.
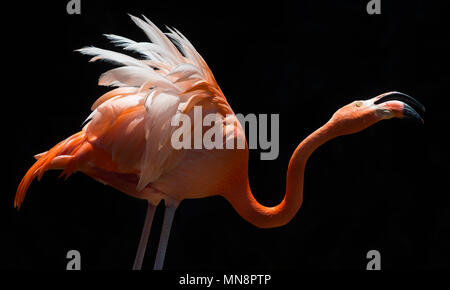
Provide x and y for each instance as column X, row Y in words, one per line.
column 168, row 80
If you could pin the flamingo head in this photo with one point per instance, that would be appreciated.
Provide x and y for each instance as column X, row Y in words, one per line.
column 359, row 115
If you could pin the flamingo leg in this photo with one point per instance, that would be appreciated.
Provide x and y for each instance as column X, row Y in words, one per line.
column 169, row 213
column 144, row 237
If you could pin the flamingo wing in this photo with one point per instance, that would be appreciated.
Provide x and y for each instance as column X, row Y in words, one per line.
column 133, row 121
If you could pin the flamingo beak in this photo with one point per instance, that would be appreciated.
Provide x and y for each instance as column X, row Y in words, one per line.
column 401, row 105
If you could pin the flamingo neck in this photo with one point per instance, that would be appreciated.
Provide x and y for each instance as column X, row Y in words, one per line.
column 267, row 217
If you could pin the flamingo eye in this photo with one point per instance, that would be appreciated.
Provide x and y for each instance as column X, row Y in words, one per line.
column 358, row 104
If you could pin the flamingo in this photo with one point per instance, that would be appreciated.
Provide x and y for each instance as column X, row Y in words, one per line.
column 126, row 140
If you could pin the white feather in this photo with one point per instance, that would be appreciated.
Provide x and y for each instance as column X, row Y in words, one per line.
column 160, row 111
column 185, row 70
column 147, row 47
column 136, row 77
column 119, row 40
column 111, row 56
column 156, row 36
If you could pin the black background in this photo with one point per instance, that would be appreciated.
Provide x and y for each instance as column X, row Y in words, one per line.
column 385, row 188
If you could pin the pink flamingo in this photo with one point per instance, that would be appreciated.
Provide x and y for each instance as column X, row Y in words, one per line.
column 126, row 142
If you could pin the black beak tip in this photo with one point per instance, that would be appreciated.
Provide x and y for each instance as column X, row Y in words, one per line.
column 410, row 103
column 410, row 114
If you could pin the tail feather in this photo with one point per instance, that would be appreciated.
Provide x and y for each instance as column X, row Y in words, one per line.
column 37, row 156
column 59, row 157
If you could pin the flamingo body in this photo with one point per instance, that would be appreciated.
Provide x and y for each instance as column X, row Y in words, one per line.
column 126, row 142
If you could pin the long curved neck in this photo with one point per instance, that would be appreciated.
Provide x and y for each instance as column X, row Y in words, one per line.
column 266, row 217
